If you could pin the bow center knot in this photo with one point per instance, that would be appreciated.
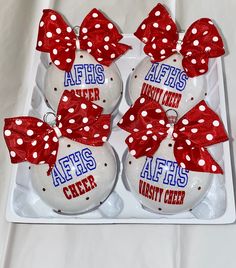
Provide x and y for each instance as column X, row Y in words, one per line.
column 77, row 44
column 76, row 31
column 170, row 130
column 179, row 46
column 57, row 131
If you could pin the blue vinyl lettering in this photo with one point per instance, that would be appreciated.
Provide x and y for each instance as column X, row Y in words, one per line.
column 73, row 166
column 89, row 74
column 151, row 75
column 100, row 76
column 146, row 172
column 159, row 170
column 170, row 76
column 78, row 163
column 88, row 158
column 166, row 171
column 68, row 79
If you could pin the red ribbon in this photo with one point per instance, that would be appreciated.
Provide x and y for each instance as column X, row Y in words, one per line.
column 148, row 126
column 97, row 35
column 30, row 139
column 202, row 41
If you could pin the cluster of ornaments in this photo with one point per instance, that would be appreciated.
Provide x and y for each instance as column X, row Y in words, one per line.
column 83, row 86
column 167, row 165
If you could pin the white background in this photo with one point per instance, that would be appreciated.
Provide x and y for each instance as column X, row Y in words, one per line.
column 32, row 246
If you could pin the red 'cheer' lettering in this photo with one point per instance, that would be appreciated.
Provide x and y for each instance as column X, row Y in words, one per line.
column 80, row 187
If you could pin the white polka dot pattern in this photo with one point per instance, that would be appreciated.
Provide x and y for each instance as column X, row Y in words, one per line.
column 202, row 130
column 96, row 32
column 160, row 35
column 30, row 139
column 148, row 126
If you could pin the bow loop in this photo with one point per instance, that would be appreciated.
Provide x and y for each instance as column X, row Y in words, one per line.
column 203, row 36
column 76, row 111
column 159, row 34
column 202, row 41
column 57, row 38
column 145, row 142
column 200, row 127
column 30, row 139
column 144, row 115
column 159, row 25
column 82, row 120
column 51, row 28
column 97, row 133
column 98, row 36
column 97, row 27
column 146, row 121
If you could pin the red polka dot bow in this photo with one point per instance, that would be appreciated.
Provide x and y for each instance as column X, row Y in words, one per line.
column 202, row 41
column 30, row 139
column 148, row 126
column 97, row 35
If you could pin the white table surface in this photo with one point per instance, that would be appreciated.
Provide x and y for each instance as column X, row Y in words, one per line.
column 33, row 246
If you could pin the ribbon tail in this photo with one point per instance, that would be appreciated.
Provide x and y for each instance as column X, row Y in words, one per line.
column 50, row 170
column 195, row 158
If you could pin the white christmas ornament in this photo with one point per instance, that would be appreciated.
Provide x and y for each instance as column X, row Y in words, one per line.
column 169, row 168
column 73, row 169
column 81, row 180
column 176, row 77
column 90, row 79
column 167, row 83
column 161, row 185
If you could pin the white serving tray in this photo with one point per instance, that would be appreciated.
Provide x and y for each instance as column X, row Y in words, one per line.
column 217, row 207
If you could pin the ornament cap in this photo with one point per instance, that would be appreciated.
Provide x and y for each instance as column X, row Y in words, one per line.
column 50, row 118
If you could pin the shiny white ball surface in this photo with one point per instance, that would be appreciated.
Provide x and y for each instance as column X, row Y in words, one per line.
column 162, row 186
column 167, row 83
column 81, row 180
column 98, row 83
